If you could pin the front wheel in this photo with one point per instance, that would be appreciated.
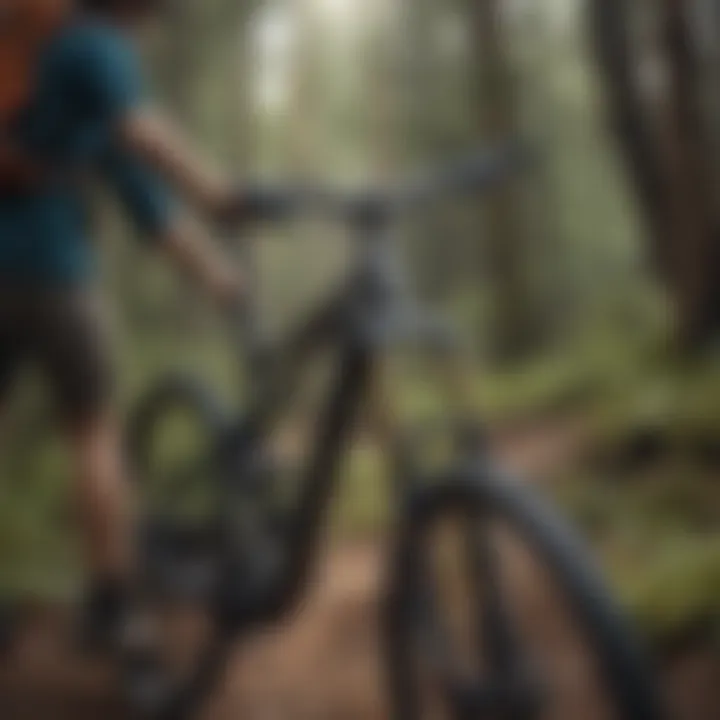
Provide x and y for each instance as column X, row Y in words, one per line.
column 495, row 612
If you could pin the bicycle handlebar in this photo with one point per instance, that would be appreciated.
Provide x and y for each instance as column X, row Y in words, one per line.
column 477, row 173
column 480, row 172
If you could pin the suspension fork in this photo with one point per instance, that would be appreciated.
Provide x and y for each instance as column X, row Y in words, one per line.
column 455, row 374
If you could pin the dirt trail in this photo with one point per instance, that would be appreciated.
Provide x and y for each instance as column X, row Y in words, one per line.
column 323, row 664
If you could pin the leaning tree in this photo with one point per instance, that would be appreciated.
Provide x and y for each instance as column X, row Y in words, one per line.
column 659, row 61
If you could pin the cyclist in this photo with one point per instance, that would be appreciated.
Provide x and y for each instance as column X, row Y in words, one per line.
column 86, row 115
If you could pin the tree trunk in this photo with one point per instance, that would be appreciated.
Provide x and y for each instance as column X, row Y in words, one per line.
column 692, row 215
column 515, row 327
column 672, row 169
column 420, row 134
column 303, row 138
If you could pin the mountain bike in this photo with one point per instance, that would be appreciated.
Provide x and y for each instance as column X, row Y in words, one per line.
column 452, row 643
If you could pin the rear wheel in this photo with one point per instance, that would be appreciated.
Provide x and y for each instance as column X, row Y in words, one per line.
column 495, row 612
column 174, row 442
column 174, row 438
column 210, row 546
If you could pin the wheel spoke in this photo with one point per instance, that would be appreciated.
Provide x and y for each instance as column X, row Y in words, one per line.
column 495, row 637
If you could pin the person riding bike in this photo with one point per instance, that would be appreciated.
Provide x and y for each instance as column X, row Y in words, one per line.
column 77, row 113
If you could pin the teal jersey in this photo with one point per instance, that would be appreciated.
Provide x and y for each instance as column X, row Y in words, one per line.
column 89, row 78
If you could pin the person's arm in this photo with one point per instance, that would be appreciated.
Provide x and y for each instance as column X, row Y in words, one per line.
column 153, row 136
column 110, row 83
column 161, row 221
column 102, row 76
column 149, row 134
column 192, row 252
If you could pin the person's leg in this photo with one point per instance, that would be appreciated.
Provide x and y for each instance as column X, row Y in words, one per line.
column 103, row 498
column 77, row 358
column 9, row 361
column 6, row 615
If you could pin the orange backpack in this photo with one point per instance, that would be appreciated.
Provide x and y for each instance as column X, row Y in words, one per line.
column 26, row 27
column 29, row 26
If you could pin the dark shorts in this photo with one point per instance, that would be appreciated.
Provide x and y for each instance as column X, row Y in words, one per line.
column 63, row 335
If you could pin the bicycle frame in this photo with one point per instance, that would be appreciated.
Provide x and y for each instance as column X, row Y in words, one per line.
column 350, row 321
column 359, row 321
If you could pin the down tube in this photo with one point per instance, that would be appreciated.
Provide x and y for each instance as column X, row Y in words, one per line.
column 322, row 474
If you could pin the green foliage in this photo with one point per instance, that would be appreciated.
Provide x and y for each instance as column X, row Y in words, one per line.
column 671, row 407
column 363, row 503
column 38, row 553
column 659, row 539
column 678, row 591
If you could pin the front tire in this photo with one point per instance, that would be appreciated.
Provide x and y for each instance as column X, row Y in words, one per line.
column 485, row 670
